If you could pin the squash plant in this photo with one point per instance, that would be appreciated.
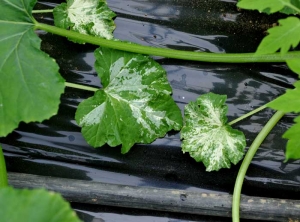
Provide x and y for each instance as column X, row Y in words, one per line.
column 134, row 105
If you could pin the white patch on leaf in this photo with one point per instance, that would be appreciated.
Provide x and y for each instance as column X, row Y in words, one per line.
column 155, row 117
column 138, row 115
column 83, row 13
column 207, row 138
column 214, row 117
column 93, row 117
column 115, row 69
column 124, row 78
column 138, row 103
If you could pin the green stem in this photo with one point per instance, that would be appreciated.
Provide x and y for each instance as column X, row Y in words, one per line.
column 3, row 173
column 246, row 162
column 248, row 114
column 77, row 86
column 42, row 11
column 171, row 53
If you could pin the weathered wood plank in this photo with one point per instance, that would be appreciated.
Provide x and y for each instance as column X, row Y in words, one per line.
column 181, row 201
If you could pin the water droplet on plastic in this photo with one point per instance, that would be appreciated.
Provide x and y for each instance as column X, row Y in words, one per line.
column 183, row 197
column 71, row 138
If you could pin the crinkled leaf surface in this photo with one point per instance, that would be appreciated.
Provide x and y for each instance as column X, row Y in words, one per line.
column 30, row 85
column 282, row 37
column 269, row 6
column 134, row 105
column 288, row 102
column 34, row 206
column 293, row 145
column 91, row 17
column 207, row 137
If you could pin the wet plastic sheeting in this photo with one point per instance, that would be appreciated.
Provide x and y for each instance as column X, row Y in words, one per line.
column 90, row 213
column 56, row 147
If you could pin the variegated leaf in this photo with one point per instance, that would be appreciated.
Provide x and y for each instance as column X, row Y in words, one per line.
column 134, row 105
column 207, row 137
column 91, row 17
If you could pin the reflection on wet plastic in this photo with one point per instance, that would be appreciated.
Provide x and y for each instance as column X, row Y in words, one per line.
column 92, row 213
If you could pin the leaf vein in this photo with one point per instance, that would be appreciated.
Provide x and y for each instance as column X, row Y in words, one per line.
column 15, row 6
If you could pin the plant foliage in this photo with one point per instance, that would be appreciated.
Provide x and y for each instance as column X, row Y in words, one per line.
column 30, row 86
column 134, row 105
column 91, row 17
column 290, row 101
column 271, row 6
column 283, row 37
column 293, row 145
column 207, row 136
column 294, row 65
column 291, row 10
column 34, row 206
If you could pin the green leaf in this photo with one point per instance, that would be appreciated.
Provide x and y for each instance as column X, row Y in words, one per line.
column 34, row 206
column 207, row 136
column 30, row 85
column 293, row 145
column 294, row 65
column 288, row 102
column 3, row 172
column 281, row 37
column 269, row 6
column 134, row 105
column 92, row 17
column 289, row 10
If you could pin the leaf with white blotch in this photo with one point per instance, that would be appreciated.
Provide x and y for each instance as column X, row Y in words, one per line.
column 282, row 37
column 206, row 135
column 35, row 206
column 90, row 17
column 288, row 102
column 30, row 84
column 269, row 6
column 134, row 105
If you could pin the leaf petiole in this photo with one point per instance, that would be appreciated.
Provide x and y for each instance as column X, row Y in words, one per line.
column 42, row 11
column 171, row 53
column 78, row 86
column 248, row 114
column 3, row 173
column 246, row 162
